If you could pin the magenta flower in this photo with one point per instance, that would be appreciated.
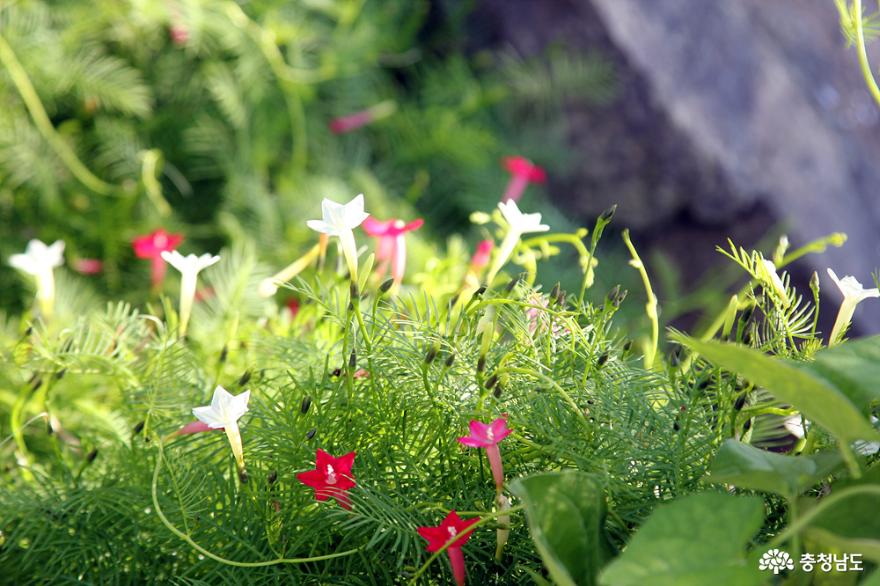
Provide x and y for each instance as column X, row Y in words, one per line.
column 152, row 246
column 391, row 244
column 487, row 435
column 482, row 255
column 452, row 529
column 522, row 172
column 88, row 266
column 344, row 124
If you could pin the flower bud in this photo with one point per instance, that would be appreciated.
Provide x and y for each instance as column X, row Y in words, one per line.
column 352, row 359
column 386, row 285
column 450, row 359
column 306, row 403
column 311, row 433
column 243, row 380
column 612, row 295
column 608, row 214
column 431, row 354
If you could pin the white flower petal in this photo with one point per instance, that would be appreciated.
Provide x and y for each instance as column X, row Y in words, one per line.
column 851, row 288
column 21, row 262
column 175, row 259
column 239, row 405
column 55, row 254
column 206, row 260
column 39, row 259
column 208, row 416
column 221, row 399
column 321, row 226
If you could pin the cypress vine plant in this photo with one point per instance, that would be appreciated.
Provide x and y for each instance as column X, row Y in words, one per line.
column 361, row 425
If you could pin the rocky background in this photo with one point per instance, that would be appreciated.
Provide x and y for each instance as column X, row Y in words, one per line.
column 729, row 119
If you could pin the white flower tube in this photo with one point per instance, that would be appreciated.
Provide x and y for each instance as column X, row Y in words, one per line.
column 773, row 279
column 518, row 224
column 223, row 413
column 340, row 220
column 853, row 294
column 189, row 266
column 40, row 261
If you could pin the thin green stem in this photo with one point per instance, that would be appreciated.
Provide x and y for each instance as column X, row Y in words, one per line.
column 186, row 538
column 864, row 64
column 804, row 520
column 41, row 120
column 484, row 519
column 650, row 305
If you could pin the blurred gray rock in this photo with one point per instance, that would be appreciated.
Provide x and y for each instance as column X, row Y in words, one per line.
column 730, row 118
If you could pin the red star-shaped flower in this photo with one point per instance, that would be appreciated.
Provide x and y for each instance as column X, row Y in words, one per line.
column 455, row 529
column 153, row 244
column 332, row 477
column 151, row 247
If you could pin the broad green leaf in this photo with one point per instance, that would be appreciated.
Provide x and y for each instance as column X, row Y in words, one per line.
column 697, row 540
column 853, row 367
column 851, row 524
column 566, row 515
column 745, row 466
column 813, row 396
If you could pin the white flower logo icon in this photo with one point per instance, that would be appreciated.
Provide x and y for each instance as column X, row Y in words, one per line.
column 776, row 560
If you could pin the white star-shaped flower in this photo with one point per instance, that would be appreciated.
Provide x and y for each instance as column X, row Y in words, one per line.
column 853, row 294
column 189, row 266
column 340, row 220
column 225, row 408
column 519, row 222
column 39, row 258
column 852, row 289
column 40, row 261
column 224, row 412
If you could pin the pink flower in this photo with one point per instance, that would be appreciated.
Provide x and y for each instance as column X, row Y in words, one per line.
column 452, row 529
column 354, row 121
column 88, row 266
column 391, row 244
column 487, row 436
column 179, row 34
column 522, row 172
column 196, row 427
column 293, row 305
column 331, row 477
column 151, row 247
column 482, row 255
